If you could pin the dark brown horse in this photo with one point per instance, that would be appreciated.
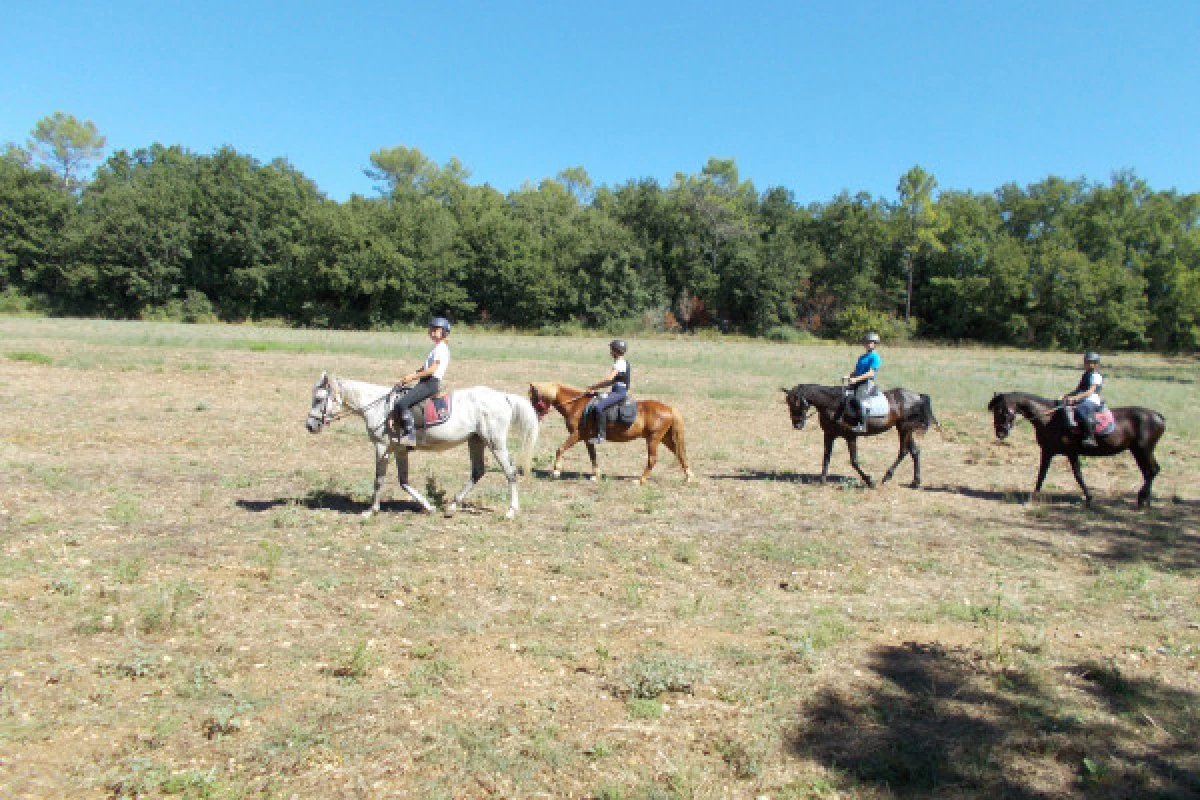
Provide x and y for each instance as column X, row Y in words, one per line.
column 656, row 423
column 1138, row 431
column 909, row 412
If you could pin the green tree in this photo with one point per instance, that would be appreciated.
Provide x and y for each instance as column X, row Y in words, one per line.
column 921, row 224
column 67, row 146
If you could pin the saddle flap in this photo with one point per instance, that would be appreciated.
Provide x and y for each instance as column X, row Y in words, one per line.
column 434, row 411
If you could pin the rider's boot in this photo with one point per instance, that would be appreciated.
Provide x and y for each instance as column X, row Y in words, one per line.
column 599, row 437
column 1087, row 421
column 409, row 439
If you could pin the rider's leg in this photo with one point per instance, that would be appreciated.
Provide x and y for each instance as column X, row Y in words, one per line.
column 424, row 389
column 603, row 404
column 856, row 405
column 1087, row 420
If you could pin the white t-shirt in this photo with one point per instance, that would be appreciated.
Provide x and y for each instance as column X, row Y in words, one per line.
column 441, row 354
column 1094, row 398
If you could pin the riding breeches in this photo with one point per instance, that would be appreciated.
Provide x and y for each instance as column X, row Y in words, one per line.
column 425, row 389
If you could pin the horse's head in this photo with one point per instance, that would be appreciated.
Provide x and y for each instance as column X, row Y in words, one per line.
column 543, row 396
column 1003, row 415
column 326, row 403
column 798, row 407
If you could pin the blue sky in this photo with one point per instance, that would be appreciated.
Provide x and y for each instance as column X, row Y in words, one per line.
column 816, row 97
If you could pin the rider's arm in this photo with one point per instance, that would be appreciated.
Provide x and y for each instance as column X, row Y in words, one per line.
column 612, row 374
column 421, row 373
column 1078, row 396
column 853, row 379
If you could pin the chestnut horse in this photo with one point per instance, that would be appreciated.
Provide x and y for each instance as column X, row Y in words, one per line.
column 656, row 422
column 1138, row 431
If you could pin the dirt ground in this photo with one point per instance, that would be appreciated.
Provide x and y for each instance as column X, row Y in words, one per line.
column 191, row 604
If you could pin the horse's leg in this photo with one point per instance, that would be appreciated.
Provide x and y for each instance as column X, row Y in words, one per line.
column 572, row 439
column 652, row 442
column 1078, row 470
column 591, row 448
column 852, row 445
column 904, row 449
column 382, row 451
column 499, row 447
column 915, row 451
column 402, row 474
column 475, row 445
column 830, row 438
column 1043, row 468
column 1148, row 464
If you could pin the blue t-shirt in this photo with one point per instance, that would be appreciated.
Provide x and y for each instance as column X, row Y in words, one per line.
column 866, row 362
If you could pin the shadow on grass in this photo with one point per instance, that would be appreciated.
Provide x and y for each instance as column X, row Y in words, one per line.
column 932, row 721
column 326, row 501
column 783, row 476
column 1010, row 496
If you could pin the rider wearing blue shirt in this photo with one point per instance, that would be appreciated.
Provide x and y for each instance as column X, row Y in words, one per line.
column 863, row 381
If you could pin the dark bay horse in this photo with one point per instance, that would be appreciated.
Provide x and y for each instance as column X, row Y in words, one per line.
column 656, row 423
column 909, row 412
column 1138, row 431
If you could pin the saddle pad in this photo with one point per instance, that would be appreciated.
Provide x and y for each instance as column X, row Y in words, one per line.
column 1106, row 422
column 434, row 411
column 624, row 412
column 876, row 405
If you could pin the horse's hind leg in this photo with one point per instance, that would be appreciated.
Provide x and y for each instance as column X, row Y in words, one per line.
column 1148, row 464
column 905, row 449
column 475, row 446
column 915, row 451
column 500, row 451
column 674, row 442
column 652, row 442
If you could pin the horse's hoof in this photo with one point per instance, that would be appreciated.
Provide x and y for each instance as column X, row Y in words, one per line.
column 689, row 476
column 511, row 513
column 451, row 510
column 593, row 478
column 556, row 473
column 915, row 485
column 368, row 514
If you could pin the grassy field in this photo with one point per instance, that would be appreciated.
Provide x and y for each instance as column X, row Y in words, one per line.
column 191, row 605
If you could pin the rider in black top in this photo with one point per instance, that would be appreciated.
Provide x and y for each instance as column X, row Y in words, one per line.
column 617, row 379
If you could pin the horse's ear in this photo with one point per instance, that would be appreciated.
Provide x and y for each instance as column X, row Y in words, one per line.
column 784, row 389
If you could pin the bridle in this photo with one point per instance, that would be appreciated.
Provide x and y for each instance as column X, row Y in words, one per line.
column 806, row 411
column 1003, row 421
column 333, row 406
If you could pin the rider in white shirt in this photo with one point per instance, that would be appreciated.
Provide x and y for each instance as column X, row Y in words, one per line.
column 1086, row 397
column 428, row 378
column 617, row 380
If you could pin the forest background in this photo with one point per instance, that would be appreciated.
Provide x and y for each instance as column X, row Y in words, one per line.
column 165, row 233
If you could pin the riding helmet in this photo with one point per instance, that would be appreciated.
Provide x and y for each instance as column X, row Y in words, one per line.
column 871, row 337
column 1091, row 357
column 440, row 322
column 618, row 345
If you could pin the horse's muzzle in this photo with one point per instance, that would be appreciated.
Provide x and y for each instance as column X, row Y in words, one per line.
column 798, row 425
column 313, row 425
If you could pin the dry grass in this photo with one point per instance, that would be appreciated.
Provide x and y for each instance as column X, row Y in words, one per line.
column 191, row 605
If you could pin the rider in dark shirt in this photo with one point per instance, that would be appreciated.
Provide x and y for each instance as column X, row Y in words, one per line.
column 618, row 379
column 1086, row 398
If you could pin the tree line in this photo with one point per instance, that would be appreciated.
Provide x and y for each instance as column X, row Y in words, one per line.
column 164, row 232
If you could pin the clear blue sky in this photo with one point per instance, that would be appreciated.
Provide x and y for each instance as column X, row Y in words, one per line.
column 816, row 97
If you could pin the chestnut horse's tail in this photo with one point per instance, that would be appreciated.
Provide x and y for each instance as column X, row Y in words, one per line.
column 675, row 441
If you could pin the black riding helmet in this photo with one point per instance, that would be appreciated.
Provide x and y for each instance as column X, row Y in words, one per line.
column 440, row 322
column 619, row 346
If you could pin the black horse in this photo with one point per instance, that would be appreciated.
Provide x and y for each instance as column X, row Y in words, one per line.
column 1138, row 431
column 909, row 412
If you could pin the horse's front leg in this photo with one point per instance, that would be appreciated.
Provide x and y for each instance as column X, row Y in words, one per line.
column 475, row 445
column 1078, row 470
column 830, row 438
column 1043, row 468
column 402, row 474
column 852, row 446
column 571, row 441
column 382, row 453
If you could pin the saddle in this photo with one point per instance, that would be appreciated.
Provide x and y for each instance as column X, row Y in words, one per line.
column 428, row 414
column 624, row 412
column 1106, row 421
column 873, row 405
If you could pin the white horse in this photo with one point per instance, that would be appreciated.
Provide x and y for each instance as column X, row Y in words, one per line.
column 479, row 416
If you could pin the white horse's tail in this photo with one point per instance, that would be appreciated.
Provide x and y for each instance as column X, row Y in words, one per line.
column 525, row 428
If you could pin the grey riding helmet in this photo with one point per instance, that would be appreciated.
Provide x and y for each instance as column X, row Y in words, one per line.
column 440, row 322
column 871, row 337
column 1091, row 357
